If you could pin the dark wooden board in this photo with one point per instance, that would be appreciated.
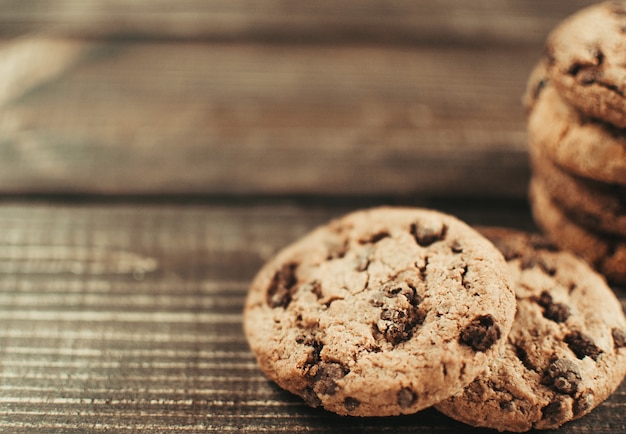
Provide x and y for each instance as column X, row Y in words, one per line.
column 126, row 317
column 221, row 118
column 178, row 133
column 397, row 21
column 221, row 98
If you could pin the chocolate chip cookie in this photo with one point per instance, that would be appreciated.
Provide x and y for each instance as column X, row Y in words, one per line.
column 586, row 54
column 381, row 312
column 606, row 253
column 595, row 205
column 580, row 145
column 566, row 352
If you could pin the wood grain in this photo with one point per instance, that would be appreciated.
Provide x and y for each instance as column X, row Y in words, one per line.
column 195, row 138
column 186, row 118
column 127, row 318
column 242, row 98
column 397, row 21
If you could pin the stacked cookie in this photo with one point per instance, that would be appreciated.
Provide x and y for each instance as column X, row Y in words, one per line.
column 576, row 105
column 389, row 311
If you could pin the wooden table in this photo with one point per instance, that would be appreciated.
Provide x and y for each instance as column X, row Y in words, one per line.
column 152, row 160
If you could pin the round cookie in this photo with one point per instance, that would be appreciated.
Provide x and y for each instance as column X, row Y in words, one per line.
column 586, row 54
column 605, row 253
column 593, row 204
column 581, row 146
column 381, row 312
column 566, row 352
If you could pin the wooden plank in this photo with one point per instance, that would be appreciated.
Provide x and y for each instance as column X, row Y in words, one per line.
column 28, row 62
column 127, row 317
column 397, row 21
column 221, row 118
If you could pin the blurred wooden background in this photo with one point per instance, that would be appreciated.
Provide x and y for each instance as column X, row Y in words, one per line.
column 247, row 97
column 154, row 154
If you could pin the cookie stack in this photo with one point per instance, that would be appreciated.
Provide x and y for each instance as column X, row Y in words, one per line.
column 388, row 311
column 576, row 106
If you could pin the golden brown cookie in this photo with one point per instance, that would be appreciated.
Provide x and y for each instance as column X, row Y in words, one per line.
column 566, row 352
column 381, row 312
column 586, row 54
column 605, row 253
column 587, row 148
column 595, row 205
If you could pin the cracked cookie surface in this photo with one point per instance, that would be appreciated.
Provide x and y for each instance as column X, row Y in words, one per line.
column 566, row 351
column 586, row 58
column 381, row 312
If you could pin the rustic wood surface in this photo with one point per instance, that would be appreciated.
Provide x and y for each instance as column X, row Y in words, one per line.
column 153, row 156
column 421, row 96
column 396, row 21
column 259, row 119
column 126, row 317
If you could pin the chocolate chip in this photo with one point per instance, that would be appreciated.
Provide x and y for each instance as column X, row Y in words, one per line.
column 582, row 345
column 280, row 290
column 563, row 375
column 481, row 333
column 575, row 68
column 557, row 312
column 316, row 288
column 351, row 404
column 585, row 73
column 506, row 405
column 456, row 247
column 406, row 397
column 326, row 376
column 398, row 325
column 619, row 338
column 314, row 357
column 427, row 235
column 522, row 355
column 404, row 290
column 400, row 313
column 545, row 299
column 555, row 412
